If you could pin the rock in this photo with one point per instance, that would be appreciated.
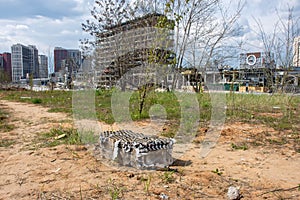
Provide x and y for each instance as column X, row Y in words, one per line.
column 233, row 193
column 163, row 196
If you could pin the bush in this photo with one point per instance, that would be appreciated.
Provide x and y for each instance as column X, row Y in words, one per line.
column 37, row 101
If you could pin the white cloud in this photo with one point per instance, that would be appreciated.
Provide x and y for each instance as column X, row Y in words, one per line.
column 45, row 30
column 47, row 24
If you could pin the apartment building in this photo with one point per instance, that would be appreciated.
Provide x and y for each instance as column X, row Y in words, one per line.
column 296, row 52
column 5, row 65
column 24, row 60
column 63, row 58
column 43, row 66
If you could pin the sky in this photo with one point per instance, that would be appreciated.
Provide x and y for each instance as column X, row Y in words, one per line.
column 57, row 23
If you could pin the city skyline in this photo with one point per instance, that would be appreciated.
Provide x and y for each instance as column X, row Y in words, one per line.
column 48, row 25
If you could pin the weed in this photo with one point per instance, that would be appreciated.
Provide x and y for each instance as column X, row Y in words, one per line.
column 147, row 183
column 241, row 107
column 88, row 137
column 114, row 190
column 217, row 171
column 4, row 125
column 6, row 142
column 36, row 101
column 168, row 177
column 58, row 136
column 239, row 147
column 170, row 129
column 279, row 141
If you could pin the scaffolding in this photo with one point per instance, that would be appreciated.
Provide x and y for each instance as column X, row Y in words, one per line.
column 134, row 43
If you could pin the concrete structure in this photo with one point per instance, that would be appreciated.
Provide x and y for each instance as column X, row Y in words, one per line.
column 129, row 45
column 5, row 65
column 257, row 69
column 43, row 66
column 296, row 52
column 128, row 148
column 24, row 62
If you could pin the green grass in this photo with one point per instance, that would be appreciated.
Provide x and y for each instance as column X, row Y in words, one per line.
column 168, row 177
column 36, row 101
column 249, row 107
column 280, row 111
column 239, row 147
column 57, row 101
column 4, row 124
column 6, row 142
column 58, row 136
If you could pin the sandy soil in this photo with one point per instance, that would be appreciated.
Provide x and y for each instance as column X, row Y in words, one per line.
column 263, row 171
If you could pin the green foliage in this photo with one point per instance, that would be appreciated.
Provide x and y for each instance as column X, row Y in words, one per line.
column 31, row 80
column 168, row 177
column 114, row 190
column 88, row 137
column 6, row 127
column 36, row 101
column 279, row 141
column 239, row 147
column 217, row 171
column 279, row 111
column 164, row 22
column 6, row 142
column 4, row 76
column 58, row 136
column 167, row 100
column 147, row 182
column 57, row 101
column 4, row 124
column 103, row 106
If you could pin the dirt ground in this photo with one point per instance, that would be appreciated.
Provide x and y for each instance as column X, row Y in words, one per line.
column 261, row 171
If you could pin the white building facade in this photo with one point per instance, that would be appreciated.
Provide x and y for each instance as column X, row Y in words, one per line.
column 296, row 52
column 43, row 66
column 24, row 62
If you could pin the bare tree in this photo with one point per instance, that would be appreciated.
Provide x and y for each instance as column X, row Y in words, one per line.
column 202, row 27
column 105, row 14
column 280, row 41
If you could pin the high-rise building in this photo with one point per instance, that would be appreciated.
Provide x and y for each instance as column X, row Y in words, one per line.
column 43, row 66
column 24, row 62
column 5, row 65
column 35, row 61
column 60, row 54
column 296, row 52
column 70, row 58
column 130, row 45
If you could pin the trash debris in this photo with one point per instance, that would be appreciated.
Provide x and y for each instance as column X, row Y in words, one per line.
column 233, row 193
column 163, row 196
column 137, row 150
column 60, row 136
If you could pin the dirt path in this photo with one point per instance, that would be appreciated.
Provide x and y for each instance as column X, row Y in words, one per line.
column 71, row 172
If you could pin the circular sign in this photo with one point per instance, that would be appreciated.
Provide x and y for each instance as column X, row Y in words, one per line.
column 251, row 60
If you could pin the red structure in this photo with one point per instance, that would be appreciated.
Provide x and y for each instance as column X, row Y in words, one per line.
column 6, row 64
column 60, row 54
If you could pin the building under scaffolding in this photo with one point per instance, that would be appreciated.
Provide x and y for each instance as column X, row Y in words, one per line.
column 132, row 44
